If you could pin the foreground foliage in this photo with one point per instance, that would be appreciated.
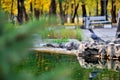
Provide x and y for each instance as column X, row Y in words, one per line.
column 15, row 42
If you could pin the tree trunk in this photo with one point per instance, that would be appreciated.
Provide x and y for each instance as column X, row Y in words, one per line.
column 12, row 7
column 84, row 10
column 31, row 11
column 75, row 13
column 96, row 7
column 11, row 14
column 36, row 13
column 66, row 10
column 61, row 12
column 113, row 11
column 31, row 7
column 118, row 26
column 102, row 8
column 0, row 4
column 22, row 15
column 118, row 30
column 104, row 4
column 52, row 8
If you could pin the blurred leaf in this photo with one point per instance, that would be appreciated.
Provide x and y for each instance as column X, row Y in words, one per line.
column 15, row 42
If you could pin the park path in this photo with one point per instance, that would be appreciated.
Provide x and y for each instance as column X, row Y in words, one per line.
column 104, row 33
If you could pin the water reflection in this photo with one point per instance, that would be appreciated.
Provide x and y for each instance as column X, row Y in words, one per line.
column 99, row 63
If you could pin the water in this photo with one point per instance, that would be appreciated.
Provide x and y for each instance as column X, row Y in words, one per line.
column 101, row 67
column 100, row 63
column 66, row 67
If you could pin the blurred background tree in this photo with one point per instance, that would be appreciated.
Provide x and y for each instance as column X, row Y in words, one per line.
column 22, row 15
column 61, row 8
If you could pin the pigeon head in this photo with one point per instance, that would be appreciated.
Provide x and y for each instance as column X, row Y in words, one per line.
column 91, row 30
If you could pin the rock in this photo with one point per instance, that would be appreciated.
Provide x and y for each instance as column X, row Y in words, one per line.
column 108, row 41
column 103, row 51
column 76, row 45
column 117, row 41
column 111, row 50
column 89, row 49
column 62, row 45
column 52, row 45
column 69, row 45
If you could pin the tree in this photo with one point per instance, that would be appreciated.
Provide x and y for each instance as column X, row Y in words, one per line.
column 113, row 11
column 53, row 7
column 75, row 12
column 36, row 10
column 65, row 8
column 22, row 15
column 12, row 14
column 96, row 7
column 104, row 4
column 84, row 14
column 0, row 3
column 118, row 26
column 62, row 14
column 31, row 6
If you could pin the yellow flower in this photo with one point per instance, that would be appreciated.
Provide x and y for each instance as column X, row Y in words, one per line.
column 48, row 35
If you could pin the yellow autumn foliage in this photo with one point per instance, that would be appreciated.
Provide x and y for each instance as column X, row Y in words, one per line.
column 39, row 4
column 68, row 6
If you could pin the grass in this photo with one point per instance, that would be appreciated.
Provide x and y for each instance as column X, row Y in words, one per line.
column 59, row 41
column 61, row 33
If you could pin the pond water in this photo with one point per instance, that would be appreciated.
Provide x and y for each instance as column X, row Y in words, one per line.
column 100, row 63
column 66, row 67
column 103, row 67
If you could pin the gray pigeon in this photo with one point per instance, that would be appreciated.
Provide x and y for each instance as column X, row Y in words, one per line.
column 95, row 37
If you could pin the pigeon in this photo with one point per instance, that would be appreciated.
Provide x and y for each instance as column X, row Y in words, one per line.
column 95, row 37
column 93, row 75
